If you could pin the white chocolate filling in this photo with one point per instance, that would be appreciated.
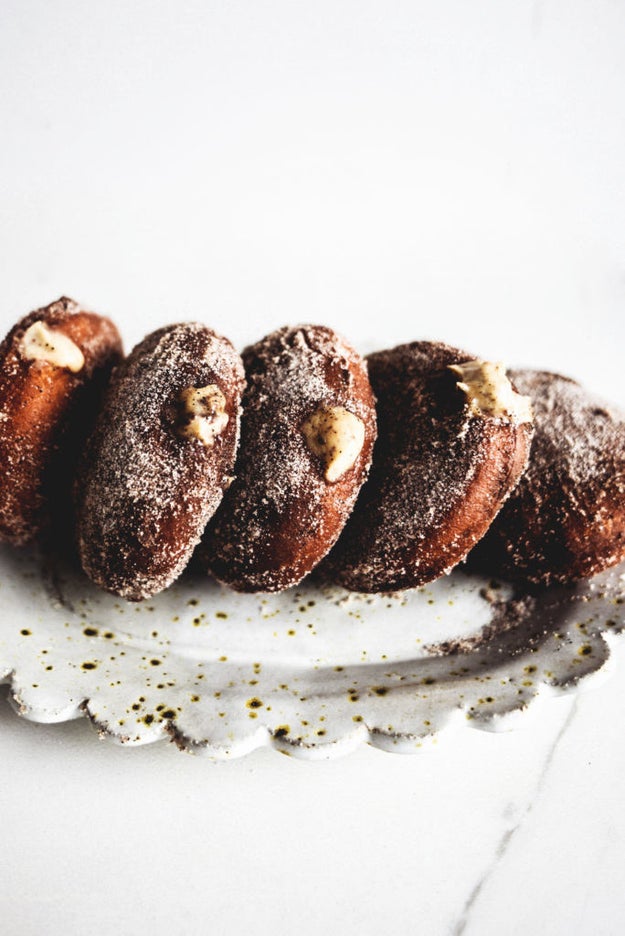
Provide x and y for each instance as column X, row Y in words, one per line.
column 205, row 414
column 337, row 437
column 40, row 343
column 490, row 393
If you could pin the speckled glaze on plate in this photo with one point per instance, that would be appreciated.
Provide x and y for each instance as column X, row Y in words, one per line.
column 312, row 672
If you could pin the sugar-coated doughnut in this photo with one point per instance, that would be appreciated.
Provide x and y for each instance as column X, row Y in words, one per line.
column 141, row 459
column 453, row 440
column 53, row 364
column 306, row 442
column 160, row 458
column 566, row 518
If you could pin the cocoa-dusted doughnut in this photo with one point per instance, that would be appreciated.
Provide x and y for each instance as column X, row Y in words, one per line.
column 453, row 439
column 159, row 460
column 53, row 364
column 566, row 518
column 306, row 442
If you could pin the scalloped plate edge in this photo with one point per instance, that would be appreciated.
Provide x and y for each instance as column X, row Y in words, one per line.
column 389, row 742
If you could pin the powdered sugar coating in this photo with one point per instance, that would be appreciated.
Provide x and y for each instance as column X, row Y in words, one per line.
column 45, row 412
column 440, row 474
column 566, row 519
column 282, row 515
column 146, row 492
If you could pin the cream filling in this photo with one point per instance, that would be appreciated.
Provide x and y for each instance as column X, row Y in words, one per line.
column 337, row 437
column 490, row 393
column 40, row 343
column 204, row 413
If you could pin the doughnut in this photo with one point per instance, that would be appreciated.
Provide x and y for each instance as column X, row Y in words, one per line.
column 566, row 518
column 306, row 443
column 159, row 460
column 53, row 365
column 453, row 441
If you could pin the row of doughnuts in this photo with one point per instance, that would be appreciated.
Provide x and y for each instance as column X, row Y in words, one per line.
column 383, row 473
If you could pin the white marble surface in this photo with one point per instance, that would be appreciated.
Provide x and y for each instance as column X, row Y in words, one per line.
column 398, row 170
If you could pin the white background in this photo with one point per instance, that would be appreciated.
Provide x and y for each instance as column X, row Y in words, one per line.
column 397, row 170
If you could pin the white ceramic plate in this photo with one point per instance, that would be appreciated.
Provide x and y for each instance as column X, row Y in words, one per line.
column 312, row 672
